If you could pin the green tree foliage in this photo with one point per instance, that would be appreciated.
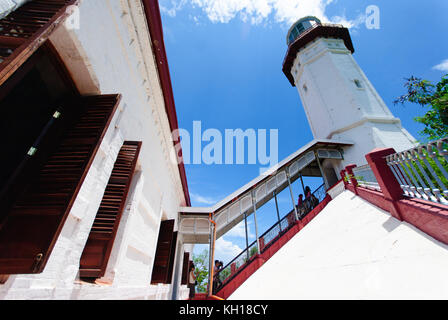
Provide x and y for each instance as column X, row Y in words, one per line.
column 224, row 273
column 201, row 269
column 252, row 251
column 434, row 97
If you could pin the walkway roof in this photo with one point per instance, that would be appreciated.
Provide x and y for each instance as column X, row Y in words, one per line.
column 230, row 211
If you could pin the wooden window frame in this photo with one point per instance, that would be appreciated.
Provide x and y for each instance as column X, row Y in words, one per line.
column 51, row 53
column 105, row 226
column 12, row 261
column 165, row 254
column 185, row 268
column 42, row 20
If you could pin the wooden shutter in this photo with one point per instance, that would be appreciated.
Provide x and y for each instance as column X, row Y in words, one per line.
column 164, row 260
column 169, row 276
column 35, row 219
column 23, row 31
column 186, row 268
column 102, row 235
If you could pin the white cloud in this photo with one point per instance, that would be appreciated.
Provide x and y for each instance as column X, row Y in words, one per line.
column 239, row 231
column 175, row 5
column 202, row 200
column 225, row 10
column 226, row 250
column 258, row 11
column 443, row 66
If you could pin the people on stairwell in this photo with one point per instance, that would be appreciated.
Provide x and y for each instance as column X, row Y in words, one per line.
column 300, row 206
column 309, row 203
column 300, row 202
column 307, row 193
column 217, row 283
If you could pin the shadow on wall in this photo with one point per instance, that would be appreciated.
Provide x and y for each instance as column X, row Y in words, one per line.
column 391, row 224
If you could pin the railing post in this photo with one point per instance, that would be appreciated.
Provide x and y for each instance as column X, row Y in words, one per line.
column 254, row 202
column 389, row 185
column 349, row 170
column 296, row 214
column 278, row 212
column 210, row 263
column 327, row 185
column 233, row 268
column 247, row 236
column 261, row 243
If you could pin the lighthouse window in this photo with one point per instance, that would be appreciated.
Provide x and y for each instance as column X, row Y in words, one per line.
column 294, row 33
column 358, row 83
column 305, row 88
column 291, row 38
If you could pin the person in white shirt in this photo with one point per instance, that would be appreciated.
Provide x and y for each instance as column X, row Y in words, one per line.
column 192, row 282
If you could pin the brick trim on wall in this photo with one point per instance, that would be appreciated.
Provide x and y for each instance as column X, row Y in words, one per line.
column 427, row 216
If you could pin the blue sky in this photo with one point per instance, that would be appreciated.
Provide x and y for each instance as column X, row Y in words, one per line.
column 225, row 59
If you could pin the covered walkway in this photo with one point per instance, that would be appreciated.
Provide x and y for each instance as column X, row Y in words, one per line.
column 206, row 225
column 352, row 250
column 305, row 162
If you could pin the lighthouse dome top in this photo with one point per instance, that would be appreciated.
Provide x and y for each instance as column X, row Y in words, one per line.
column 301, row 26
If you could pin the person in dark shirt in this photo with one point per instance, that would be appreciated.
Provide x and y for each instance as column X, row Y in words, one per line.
column 300, row 206
column 300, row 202
column 307, row 193
column 217, row 283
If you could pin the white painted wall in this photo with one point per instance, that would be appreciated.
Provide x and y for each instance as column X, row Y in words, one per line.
column 111, row 53
column 352, row 250
column 324, row 73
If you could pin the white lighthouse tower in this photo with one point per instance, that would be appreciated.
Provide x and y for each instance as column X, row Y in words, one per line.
column 339, row 100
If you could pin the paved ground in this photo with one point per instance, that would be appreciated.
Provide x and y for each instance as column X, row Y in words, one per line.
column 353, row 250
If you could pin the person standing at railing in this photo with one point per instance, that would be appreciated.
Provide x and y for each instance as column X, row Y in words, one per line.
column 217, row 283
column 300, row 202
column 307, row 193
column 192, row 282
column 310, row 200
column 300, row 207
column 307, row 202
